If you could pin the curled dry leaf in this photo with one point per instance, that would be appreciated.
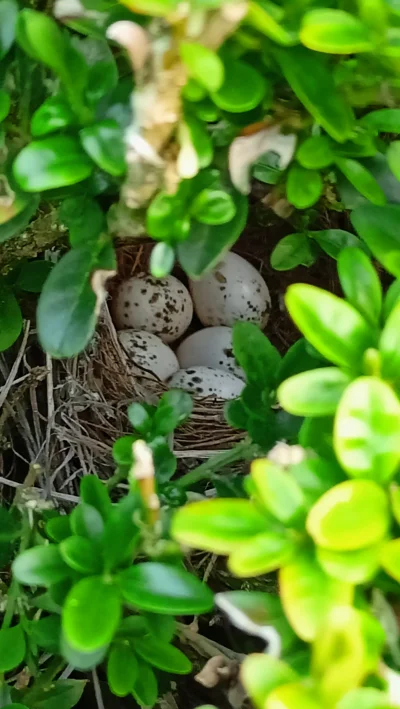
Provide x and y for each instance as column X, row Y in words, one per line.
column 286, row 455
column 247, row 148
column 241, row 620
column 134, row 39
column 216, row 670
column 98, row 281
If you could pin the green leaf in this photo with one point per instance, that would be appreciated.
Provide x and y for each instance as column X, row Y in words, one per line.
column 162, row 214
column 367, row 430
column 206, row 245
column 46, row 632
column 84, row 220
column 91, row 614
column 365, row 698
column 162, row 655
column 335, row 32
column 62, row 694
column 362, row 180
column 277, row 491
column 165, row 463
column 330, row 324
column 12, row 648
column 160, row 588
column 81, row 554
column 162, row 260
column 243, row 87
column 139, row 417
column 378, row 226
column 10, row 526
column 392, row 297
column 385, row 120
column 54, row 114
column 8, row 21
column 120, row 525
column 213, row 207
column 5, row 103
column 40, row 566
column 145, row 689
column 360, row 283
column 93, row 492
column 303, row 187
column 58, row 528
column 82, row 660
column 389, row 345
column 103, row 141
column 203, row 64
column 10, row 318
column 174, row 407
column 262, row 554
column 313, row 393
column 196, row 148
column 393, row 157
column 315, row 153
column 122, row 669
column 21, row 220
column 390, row 558
column 312, row 81
column 57, row 161
column 332, row 241
column 308, row 595
column 266, row 17
column 220, row 525
column 87, row 522
column 351, row 515
column 32, row 275
column 67, row 309
column 163, row 627
column 255, row 354
column 355, row 567
column 291, row 696
column 291, row 251
column 261, row 674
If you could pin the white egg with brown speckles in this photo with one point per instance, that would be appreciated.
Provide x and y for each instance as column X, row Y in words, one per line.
column 162, row 306
column 210, row 347
column 233, row 291
column 149, row 352
column 206, row 381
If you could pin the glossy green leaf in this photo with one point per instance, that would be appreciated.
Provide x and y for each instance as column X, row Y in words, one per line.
column 255, row 354
column 335, row 32
column 308, row 595
column 94, row 492
column 395, row 501
column 355, row 567
column 12, row 648
column 67, row 309
column 262, row 554
column 162, row 214
column 360, row 283
column 159, row 8
column 196, row 148
column 57, row 161
column 33, row 275
column 378, row 226
column 266, row 17
column 243, row 87
column 311, row 80
column 5, row 104
column 10, row 525
column 161, row 588
column 277, row 490
column 303, row 187
column 91, row 614
column 62, row 694
column 103, row 141
column 87, row 522
column 352, row 515
column 81, row 554
column 261, row 674
column 315, row 153
column 10, row 318
column 81, row 660
column 145, row 689
column 122, row 669
column 389, row 345
column 384, row 120
column 367, row 430
column 291, row 696
column 362, row 180
column 46, row 632
column 120, row 525
column 54, row 114
column 8, row 21
column 291, row 251
column 212, row 206
column 220, row 525
column 365, row 698
column 84, row 220
column 162, row 655
column 58, row 528
column 332, row 241
column 390, row 558
column 203, row 64
column 393, row 157
column 330, row 324
column 313, row 393
column 162, row 260
column 174, row 407
column 40, row 566
column 21, row 219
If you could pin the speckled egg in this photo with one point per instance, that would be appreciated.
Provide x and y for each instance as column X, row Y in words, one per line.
column 162, row 306
column 149, row 352
column 233, row 291
column 211, row 347
column 206, row 381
